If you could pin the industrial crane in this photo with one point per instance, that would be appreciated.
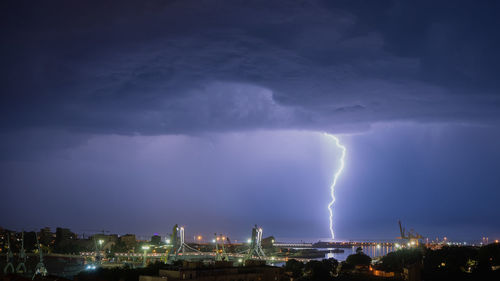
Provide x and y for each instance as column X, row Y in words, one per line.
column 411, row 236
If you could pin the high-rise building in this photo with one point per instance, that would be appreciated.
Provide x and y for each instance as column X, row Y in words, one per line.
column 129, row 240
column 64, row 234
column 46, row 237
column 156, row 239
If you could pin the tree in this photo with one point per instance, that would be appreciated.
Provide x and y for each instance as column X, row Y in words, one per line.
column 450, row 263
column 358, row 259
column 359, row 250
column 395, row 261
column 119, row 247
column 331, row 264
column 450, row 259
column 489, row 255
column 295, row 267
column 317, row 270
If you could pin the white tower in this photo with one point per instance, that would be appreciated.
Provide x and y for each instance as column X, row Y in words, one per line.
column 256, row 245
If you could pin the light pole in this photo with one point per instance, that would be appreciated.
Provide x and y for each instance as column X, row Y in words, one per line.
column 100, row 248
column 145, row 248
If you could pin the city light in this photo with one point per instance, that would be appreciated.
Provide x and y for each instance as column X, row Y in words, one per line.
column 249, row 240
column 145, row 247
column 335, row 177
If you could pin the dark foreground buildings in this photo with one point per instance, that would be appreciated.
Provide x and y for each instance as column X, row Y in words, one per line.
column 219, row 271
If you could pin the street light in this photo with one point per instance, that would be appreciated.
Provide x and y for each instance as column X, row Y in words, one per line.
column 100, row 241
column 145, row 248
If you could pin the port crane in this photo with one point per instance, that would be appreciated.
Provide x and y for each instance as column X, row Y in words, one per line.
column 40, row 266
column 411, row 236
column 21, row 267
column 9, row 267
column 220, row 255
column 178, row 243
column 255, row 249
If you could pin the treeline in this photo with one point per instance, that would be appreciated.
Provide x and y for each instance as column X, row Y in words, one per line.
column 448, row 263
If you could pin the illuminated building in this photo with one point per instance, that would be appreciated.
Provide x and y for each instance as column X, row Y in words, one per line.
column 129, row 240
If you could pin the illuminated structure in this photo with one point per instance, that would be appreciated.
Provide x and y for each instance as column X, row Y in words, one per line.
column 256, row 245
column 21, row 267
column 220, row 255
column 98, row 248
column 412, row 238
column 40, row 267
column 334, row 183
column 178, row 240
column 178, row 243
column 10, row 258
column 145, row 248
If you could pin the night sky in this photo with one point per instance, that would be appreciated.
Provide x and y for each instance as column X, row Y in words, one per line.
column 132, row 116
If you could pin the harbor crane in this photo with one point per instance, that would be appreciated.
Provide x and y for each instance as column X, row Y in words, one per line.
column 40, row 267
column 9, row 267
column 178, row 243
column 220, row 255
column 256, row 245
column 411, row 236
column 21, row 267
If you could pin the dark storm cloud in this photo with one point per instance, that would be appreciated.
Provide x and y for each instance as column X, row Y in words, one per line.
column 152, row 106
column 155, row 67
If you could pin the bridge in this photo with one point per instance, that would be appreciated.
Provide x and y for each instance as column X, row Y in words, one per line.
column 178, row 249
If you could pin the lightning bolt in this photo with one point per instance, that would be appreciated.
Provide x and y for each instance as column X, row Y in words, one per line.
column 335, row 177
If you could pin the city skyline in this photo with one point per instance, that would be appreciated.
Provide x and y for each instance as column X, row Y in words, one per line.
column 135, row 117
